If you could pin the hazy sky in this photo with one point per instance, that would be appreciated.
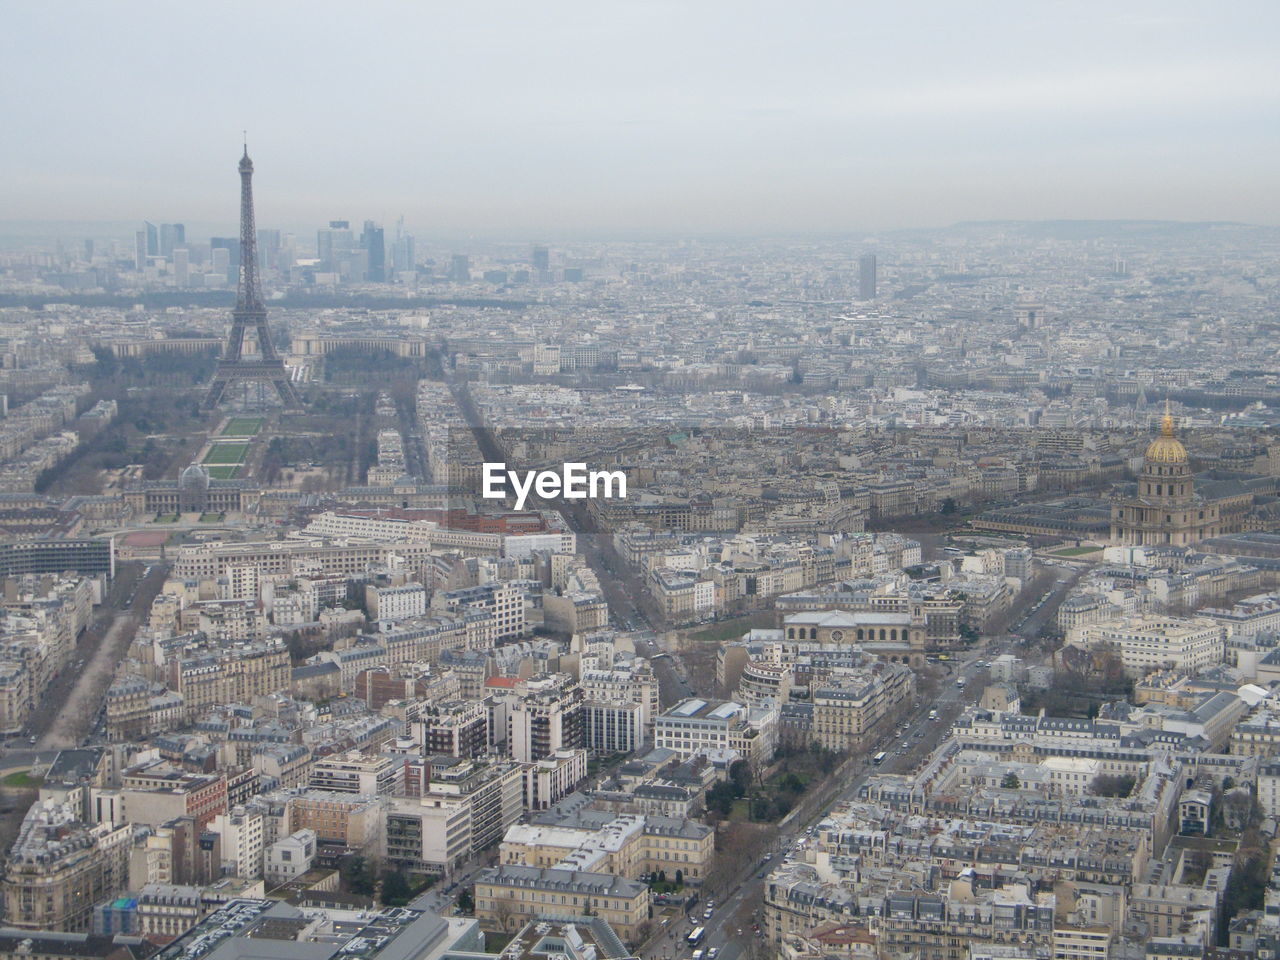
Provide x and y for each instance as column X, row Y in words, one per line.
column 558, row 117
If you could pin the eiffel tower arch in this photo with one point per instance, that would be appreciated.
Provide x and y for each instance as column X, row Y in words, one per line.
column 249, row 319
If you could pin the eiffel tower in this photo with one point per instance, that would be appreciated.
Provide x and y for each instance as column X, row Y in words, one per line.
column 249, row 316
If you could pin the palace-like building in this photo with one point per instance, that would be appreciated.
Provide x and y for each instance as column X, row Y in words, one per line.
column 1167, row 509
column 193, row 492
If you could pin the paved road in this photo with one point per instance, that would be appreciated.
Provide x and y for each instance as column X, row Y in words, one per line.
column 905, row 746
column 66, row 710
column 1042, row 619
column 619, row 585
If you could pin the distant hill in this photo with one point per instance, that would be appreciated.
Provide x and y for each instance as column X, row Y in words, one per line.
column 1097, row 229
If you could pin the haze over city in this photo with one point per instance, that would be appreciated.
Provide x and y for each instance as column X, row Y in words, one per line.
column 564, row 119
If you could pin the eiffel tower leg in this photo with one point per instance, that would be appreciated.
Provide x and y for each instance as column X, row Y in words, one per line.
column 288, row 394
column 214, row 396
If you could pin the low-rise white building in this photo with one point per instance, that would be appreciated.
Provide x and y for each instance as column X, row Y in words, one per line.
column 1148, row 643
column 290, row 857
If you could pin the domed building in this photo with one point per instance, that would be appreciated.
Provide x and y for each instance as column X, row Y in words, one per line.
column 193, row 489
column 1167, row 511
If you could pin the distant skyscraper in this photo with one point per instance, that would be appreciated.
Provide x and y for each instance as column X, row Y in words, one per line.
column 172, row 236
column 153, row 238
column 404, row 255
column 232, row 246
column 220, row 261
column 542, row 264
column 460, row 268
column 181, row 267
column 140, row 250
column 867, row 277
column 269, row 249
column 334, row 244
column 371, row 240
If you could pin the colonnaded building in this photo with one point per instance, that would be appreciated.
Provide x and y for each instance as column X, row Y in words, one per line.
column 195, row 491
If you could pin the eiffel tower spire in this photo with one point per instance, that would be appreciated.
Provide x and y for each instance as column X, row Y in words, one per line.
column 250, row 315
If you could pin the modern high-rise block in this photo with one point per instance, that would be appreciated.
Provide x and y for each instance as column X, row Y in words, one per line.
column 542, row 263
column 374, row 246
column 460, row 268
column 269, row 249
column 867, row 277
column 172, row 236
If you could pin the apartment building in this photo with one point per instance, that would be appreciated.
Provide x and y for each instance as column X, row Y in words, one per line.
column 719, row 728
column 1081, row 941
column 552, row 777
column 157, row 791
column 610, row 726
column 465, row 806
column 343, row 821
column 454, row 728
column 60, row 867
column 242, row 842
column 235, row 673
column 625, row 681
column 544, row 714
column 847, row 709
column 1148, row 643
column 358, row 773
column 503, row 602
column 396, row 603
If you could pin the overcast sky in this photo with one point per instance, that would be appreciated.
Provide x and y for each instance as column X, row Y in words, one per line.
column 562, row 117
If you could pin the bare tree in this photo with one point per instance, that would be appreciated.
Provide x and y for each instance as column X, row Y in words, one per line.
column 503, row 914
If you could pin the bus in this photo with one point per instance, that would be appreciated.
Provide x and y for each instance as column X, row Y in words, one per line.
column 879, row 758
column 694, row 938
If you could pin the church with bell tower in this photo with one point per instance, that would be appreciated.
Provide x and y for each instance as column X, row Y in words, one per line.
column 1166, row 511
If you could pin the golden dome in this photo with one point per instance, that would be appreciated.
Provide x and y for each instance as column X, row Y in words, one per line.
column 1166, row 448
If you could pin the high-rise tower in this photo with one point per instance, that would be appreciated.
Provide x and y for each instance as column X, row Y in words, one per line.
column 250, row 315
column 867, row 277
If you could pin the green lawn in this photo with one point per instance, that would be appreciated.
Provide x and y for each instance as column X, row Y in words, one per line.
column 21, row 779
column 223, row 473
column 227, row 453
column 495, row 941
column 1075, row 551
column 166, row 518
column 212, row 517
column 242, row 427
